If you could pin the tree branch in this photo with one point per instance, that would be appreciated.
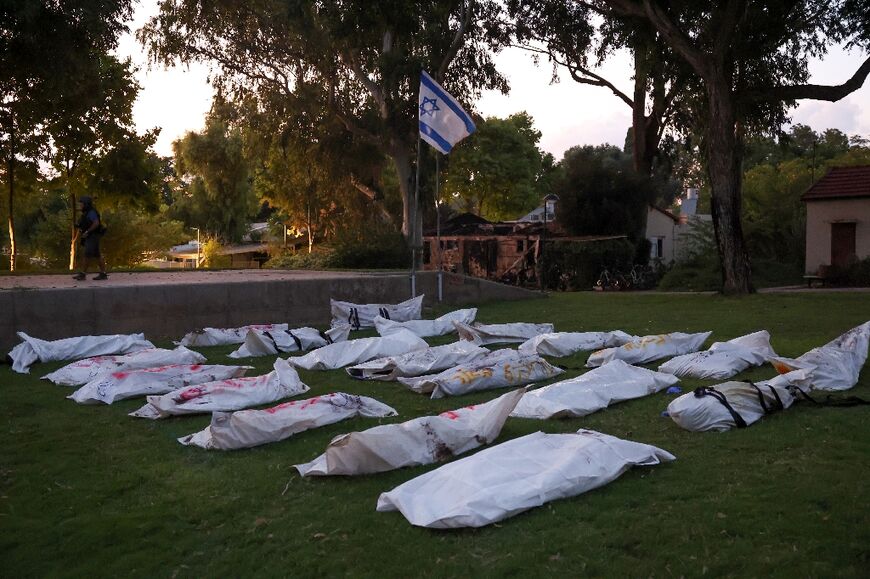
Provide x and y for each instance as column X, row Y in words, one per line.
column 735, row 10
column 818, row 92
column 456, row 44
column 590, row 79
column 371, row 86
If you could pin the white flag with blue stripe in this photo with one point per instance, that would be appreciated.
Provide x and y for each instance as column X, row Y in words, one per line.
column 443, row 123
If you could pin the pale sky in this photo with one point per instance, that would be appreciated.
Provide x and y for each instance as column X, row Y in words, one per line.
column 566, row 113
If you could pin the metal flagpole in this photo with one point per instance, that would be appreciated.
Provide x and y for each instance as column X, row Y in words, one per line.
column 413, row 228
column 438, row 225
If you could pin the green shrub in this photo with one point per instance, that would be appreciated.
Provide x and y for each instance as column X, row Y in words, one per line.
column 855, row 275
column 577, row 265
column 320, row 258
column 692, row 275
column 378, row 251
column 773, row 272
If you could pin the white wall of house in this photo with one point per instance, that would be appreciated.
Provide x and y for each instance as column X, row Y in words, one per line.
column 661, row 233
column 821, row 213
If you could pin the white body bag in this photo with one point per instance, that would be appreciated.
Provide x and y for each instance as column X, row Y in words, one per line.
column 614, row 382
column 352, row 352
column 424, row 328
column 248, row 428
column 83, row 371
column 111, row 386
column 423, row 440
column 649, row 348
column 226, row 336
column 561, row 344
column 363, row 315
column 232, row 394
column 498, row 369
column 483, row 334
column 515, row 476
column 723, row 359
column 736, row 404
column 270, row 343
column 834, row 366
column 418, row 362
column 32, row 350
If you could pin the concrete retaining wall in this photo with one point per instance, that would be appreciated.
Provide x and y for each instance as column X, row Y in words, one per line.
column 169, row 311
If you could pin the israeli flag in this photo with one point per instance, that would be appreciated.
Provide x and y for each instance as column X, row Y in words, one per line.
column 443, row 123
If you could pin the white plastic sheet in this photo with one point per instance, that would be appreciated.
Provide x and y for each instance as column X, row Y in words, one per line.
column 515, row 476
column 266, row 343
column 363, row 315
column 248, row 428
column 723, row 359
column 352, row 352
column 32, row 350
column 226, row 336
column 226, row 395
column 483, row 334
column 499, row 369
column 418, row 362
column 560, row 344
column 650, row 348
column 736, row 404
column 83, row 371
column 613, row 382
column 111, row 386
column 424, row 328
column 424, row 440
column 834, row 366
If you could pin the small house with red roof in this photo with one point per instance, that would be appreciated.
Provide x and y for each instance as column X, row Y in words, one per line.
column 838, row 218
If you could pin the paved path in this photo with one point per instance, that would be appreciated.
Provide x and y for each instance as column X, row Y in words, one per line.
column 146, row 278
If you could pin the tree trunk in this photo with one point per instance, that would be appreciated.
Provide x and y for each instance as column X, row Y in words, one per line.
column 72, row 242
column 723, row 151
column 412, row 229
column 11, row 218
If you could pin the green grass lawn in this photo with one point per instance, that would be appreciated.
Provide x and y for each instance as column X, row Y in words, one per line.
column 87, row 490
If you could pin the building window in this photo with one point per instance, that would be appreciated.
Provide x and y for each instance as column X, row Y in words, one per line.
column 427, row 252
column 656, row 247
column 521, row 245
column 449, row 244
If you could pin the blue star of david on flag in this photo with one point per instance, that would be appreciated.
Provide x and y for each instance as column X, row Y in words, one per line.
column 445, row 125
column 429, row 106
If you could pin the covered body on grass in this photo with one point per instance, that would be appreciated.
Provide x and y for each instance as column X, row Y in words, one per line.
column 613, row 382
column 834, row 366
column 363, row 315
column 498, row 369
column 83, row 371
column 440, row 326
column 111, row 386
column 649, row 348
column 249, row 428
column 341, row 354
column 418, row 362
column 561, row 344
column 226, row 395
column 483, row 334
column 737, row 404
column 423, row 440
column 32, row 350
column 723, row 360
column 515, row 476
column 226, row 336
column 270, row 343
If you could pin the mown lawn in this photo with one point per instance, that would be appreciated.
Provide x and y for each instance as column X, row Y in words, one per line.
column 89, row 491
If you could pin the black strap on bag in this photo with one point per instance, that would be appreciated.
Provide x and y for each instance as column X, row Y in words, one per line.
column 326, row 337
column 829, row 400
column 353, row 318
column 384, row 313
column 704, row 391
column 778, row 401
column 295, row 339
column 274, row 343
